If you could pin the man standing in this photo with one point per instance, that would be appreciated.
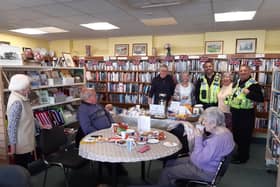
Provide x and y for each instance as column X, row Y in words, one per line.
column 208, row 86
column 162, row 84
column 245, row 93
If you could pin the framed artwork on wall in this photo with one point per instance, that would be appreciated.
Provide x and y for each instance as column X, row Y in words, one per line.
column 68, row 60
column 246, row 45
column 10, row 55
column 214, row 47
column 121, row 49
column 139, row 49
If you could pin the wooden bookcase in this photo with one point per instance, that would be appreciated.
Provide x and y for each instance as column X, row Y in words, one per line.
column 106, row 76
column 54, row 87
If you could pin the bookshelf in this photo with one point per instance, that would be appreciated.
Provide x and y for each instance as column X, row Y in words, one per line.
column 54, row 99
column 125, row 81
column 273, row 134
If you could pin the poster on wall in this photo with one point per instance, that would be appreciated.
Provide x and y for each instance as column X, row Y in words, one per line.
column 10, row 55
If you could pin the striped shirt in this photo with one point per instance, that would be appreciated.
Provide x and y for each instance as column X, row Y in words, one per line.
column 13, row 121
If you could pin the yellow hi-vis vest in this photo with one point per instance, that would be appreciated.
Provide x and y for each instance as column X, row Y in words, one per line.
column 238, row 99
column 210, row 93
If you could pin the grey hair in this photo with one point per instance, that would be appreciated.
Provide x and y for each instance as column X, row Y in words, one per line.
column 213, row 115
column 227, row 74
column 86, row 93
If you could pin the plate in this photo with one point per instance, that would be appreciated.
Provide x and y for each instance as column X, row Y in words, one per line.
column 141, row 143
column 153, row 141
column 170, row 144
column 89, row 140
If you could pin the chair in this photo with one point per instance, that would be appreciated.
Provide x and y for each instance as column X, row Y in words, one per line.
column 222, row 168
column 14, row 176
column 54, row 152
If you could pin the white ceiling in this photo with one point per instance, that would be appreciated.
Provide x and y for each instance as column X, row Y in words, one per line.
column 192, row 16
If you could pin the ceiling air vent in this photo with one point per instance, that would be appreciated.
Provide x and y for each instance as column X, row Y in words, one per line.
column 142, row 4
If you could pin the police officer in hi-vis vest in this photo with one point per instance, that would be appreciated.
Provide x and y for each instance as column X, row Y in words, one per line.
column 208, row 86
column 245, row 92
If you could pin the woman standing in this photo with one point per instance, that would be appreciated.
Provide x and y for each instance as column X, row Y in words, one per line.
column 21, row 127
column 184, row 90
column 225, row 91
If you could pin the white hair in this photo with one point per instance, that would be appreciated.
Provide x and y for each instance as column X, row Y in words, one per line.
column 213, row 115
column 19, row 82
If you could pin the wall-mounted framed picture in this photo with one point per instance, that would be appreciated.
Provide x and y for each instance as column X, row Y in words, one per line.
column 214, row 47
column 68, row 60
column 4, row 43
column 246, row 45
column 139, row 49
column 10, row 55
column 121, row 49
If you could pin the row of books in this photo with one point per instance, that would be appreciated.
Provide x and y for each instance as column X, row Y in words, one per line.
column 261, row 123
column 125, row 65
column 120, row 87
column 276, row 80
column 42, row 78
column 276, row 102
column 264, row 78
column 123, row 98
column 262, row 107
column 275, row 124
column 274, row 147
column 52, row 117
column 55, row 95
column 123, row 76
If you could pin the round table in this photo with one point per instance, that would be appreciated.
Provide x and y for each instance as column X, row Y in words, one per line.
column 114, row 153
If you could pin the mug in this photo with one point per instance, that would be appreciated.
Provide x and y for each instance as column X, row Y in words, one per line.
column 130, row 144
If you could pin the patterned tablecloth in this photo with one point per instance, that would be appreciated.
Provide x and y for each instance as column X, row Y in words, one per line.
column 111, row 152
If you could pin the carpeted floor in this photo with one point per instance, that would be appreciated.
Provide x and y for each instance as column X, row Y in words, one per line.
column 252, row 174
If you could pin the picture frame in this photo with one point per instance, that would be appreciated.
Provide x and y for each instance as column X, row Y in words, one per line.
column 10, row 55
column 214, row 47
column 68, row 60
column 121, row 49
column 246, row 45
column 4, row 43
column 139, row 49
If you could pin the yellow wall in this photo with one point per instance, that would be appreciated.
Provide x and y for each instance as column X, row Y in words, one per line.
column 191, row 44
column 24, row 41
column 272, row 42
column 99, row 47
column 268, row 41
column 230, row 37
column 130, row 40
column 180, row 44
column 61, row 46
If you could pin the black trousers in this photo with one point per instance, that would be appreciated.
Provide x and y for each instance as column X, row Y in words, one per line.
column 23, row 159
column 243, row 121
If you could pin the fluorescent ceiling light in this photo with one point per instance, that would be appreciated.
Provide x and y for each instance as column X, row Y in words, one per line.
column 40, row 30
column 234, row 16
column 100, row 26
column 29, row 31
column 52, row 29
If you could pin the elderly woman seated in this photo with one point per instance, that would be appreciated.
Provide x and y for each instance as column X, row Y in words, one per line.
column 212, row 143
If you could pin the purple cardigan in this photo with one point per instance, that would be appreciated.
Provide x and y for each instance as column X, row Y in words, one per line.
column 209, row 151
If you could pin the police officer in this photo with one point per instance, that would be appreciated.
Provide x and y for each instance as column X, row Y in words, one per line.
column 208, row 86
column 241, row 102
